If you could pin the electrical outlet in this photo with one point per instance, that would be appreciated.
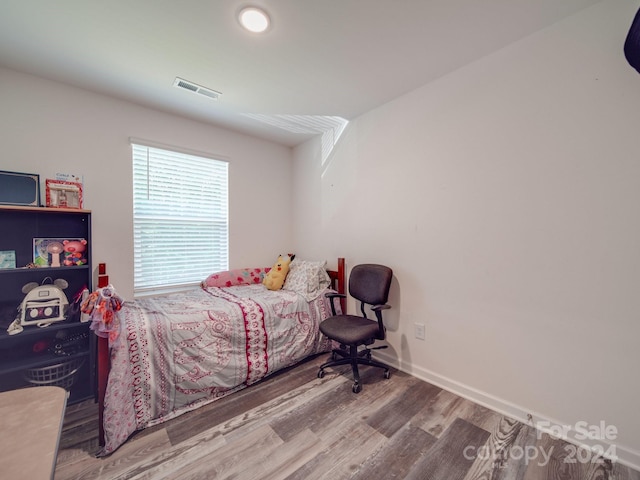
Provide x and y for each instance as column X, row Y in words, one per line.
column 419, row 330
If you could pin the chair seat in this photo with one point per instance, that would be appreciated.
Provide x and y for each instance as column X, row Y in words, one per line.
column 350, row 329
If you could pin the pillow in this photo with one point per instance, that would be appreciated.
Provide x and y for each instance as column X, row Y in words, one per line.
column 308, row 279
column 240, row 276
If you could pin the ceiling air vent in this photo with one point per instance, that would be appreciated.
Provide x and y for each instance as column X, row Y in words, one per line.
column 195, row 88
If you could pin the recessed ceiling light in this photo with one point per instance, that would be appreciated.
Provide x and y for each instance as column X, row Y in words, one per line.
column 254, row 19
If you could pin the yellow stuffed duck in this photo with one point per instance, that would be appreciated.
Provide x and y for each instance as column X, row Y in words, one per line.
column 275, row 278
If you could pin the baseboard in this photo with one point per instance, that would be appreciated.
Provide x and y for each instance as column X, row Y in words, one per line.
column 616, row 453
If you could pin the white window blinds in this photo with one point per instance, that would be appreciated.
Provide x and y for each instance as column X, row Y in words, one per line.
column 180, row 218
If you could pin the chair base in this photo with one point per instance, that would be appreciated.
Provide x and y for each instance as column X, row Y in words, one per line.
column 354, row 358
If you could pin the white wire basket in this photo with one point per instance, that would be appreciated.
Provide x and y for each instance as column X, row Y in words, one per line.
column 61, row 374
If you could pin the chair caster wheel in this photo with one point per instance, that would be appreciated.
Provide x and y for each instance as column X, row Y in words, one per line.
column 387, row 374
column 320, row 373
column 357, row 388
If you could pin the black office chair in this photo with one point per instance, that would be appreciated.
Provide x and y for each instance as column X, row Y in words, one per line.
column 369, row 284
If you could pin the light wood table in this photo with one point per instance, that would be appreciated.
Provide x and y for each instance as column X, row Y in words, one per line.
column 30, row 426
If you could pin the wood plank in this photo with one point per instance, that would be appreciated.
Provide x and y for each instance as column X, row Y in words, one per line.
column 346, row 446
column 557, row 459
column 319, row 412
column 480, row 416
column 316, row 412
column 80, row 412
column 621, row 472
column 120, row 463
column 493, row 454
column 449, row 457
column 405, row 448
column 413, row 396
column 286, row 460
column 78, row 452
column 80, row 426
column 204, row 458
column 279, row 406
column 437, row 415
column 512, row 464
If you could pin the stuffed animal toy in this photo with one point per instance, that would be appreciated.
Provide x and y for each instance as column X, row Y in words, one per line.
column 74, row 252
column 276, row 276
column 101, row 306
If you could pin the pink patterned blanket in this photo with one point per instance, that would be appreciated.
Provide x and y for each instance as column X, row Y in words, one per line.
column 178, row 352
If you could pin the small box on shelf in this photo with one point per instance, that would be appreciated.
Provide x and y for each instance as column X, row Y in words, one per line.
column 7, row 259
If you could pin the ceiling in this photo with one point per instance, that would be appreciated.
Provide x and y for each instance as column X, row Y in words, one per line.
column 319, row 60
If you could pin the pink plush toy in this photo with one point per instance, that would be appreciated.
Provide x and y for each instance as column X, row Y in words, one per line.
column 74, row 252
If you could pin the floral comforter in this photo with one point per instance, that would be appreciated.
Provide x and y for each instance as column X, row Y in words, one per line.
column 178, row 352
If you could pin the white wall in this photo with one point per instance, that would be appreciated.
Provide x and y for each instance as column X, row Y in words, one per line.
column 505, row 197
column 47, row 127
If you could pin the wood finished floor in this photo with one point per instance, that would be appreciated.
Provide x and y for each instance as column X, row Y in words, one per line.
column 296, row 426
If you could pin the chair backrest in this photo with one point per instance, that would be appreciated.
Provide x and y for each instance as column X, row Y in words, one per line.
column 370, row 283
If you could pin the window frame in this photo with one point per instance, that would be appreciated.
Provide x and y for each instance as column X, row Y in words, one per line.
column 155, row 234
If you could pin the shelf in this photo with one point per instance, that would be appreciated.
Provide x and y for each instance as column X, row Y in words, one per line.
column 6, row 271
column 43, row 209
column 35, row 331
column 70, row 372
column 45, row 360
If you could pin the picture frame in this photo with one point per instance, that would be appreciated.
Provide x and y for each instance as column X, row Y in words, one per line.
column 7, row 259
column 19, row 189
column 63, row 194
column 60, row 252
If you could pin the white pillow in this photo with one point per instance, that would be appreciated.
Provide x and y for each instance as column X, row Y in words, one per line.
column 306, row 278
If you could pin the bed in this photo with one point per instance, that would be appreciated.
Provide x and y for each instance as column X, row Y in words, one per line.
column 174, row 353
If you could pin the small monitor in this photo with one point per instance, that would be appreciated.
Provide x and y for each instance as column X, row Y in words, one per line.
column 19, row 189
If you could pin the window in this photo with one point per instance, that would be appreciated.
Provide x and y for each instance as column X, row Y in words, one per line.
column 180, row 218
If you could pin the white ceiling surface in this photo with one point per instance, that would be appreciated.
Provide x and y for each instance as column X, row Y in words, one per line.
column 320, row 58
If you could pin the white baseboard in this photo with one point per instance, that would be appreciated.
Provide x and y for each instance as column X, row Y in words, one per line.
column 616, row 453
